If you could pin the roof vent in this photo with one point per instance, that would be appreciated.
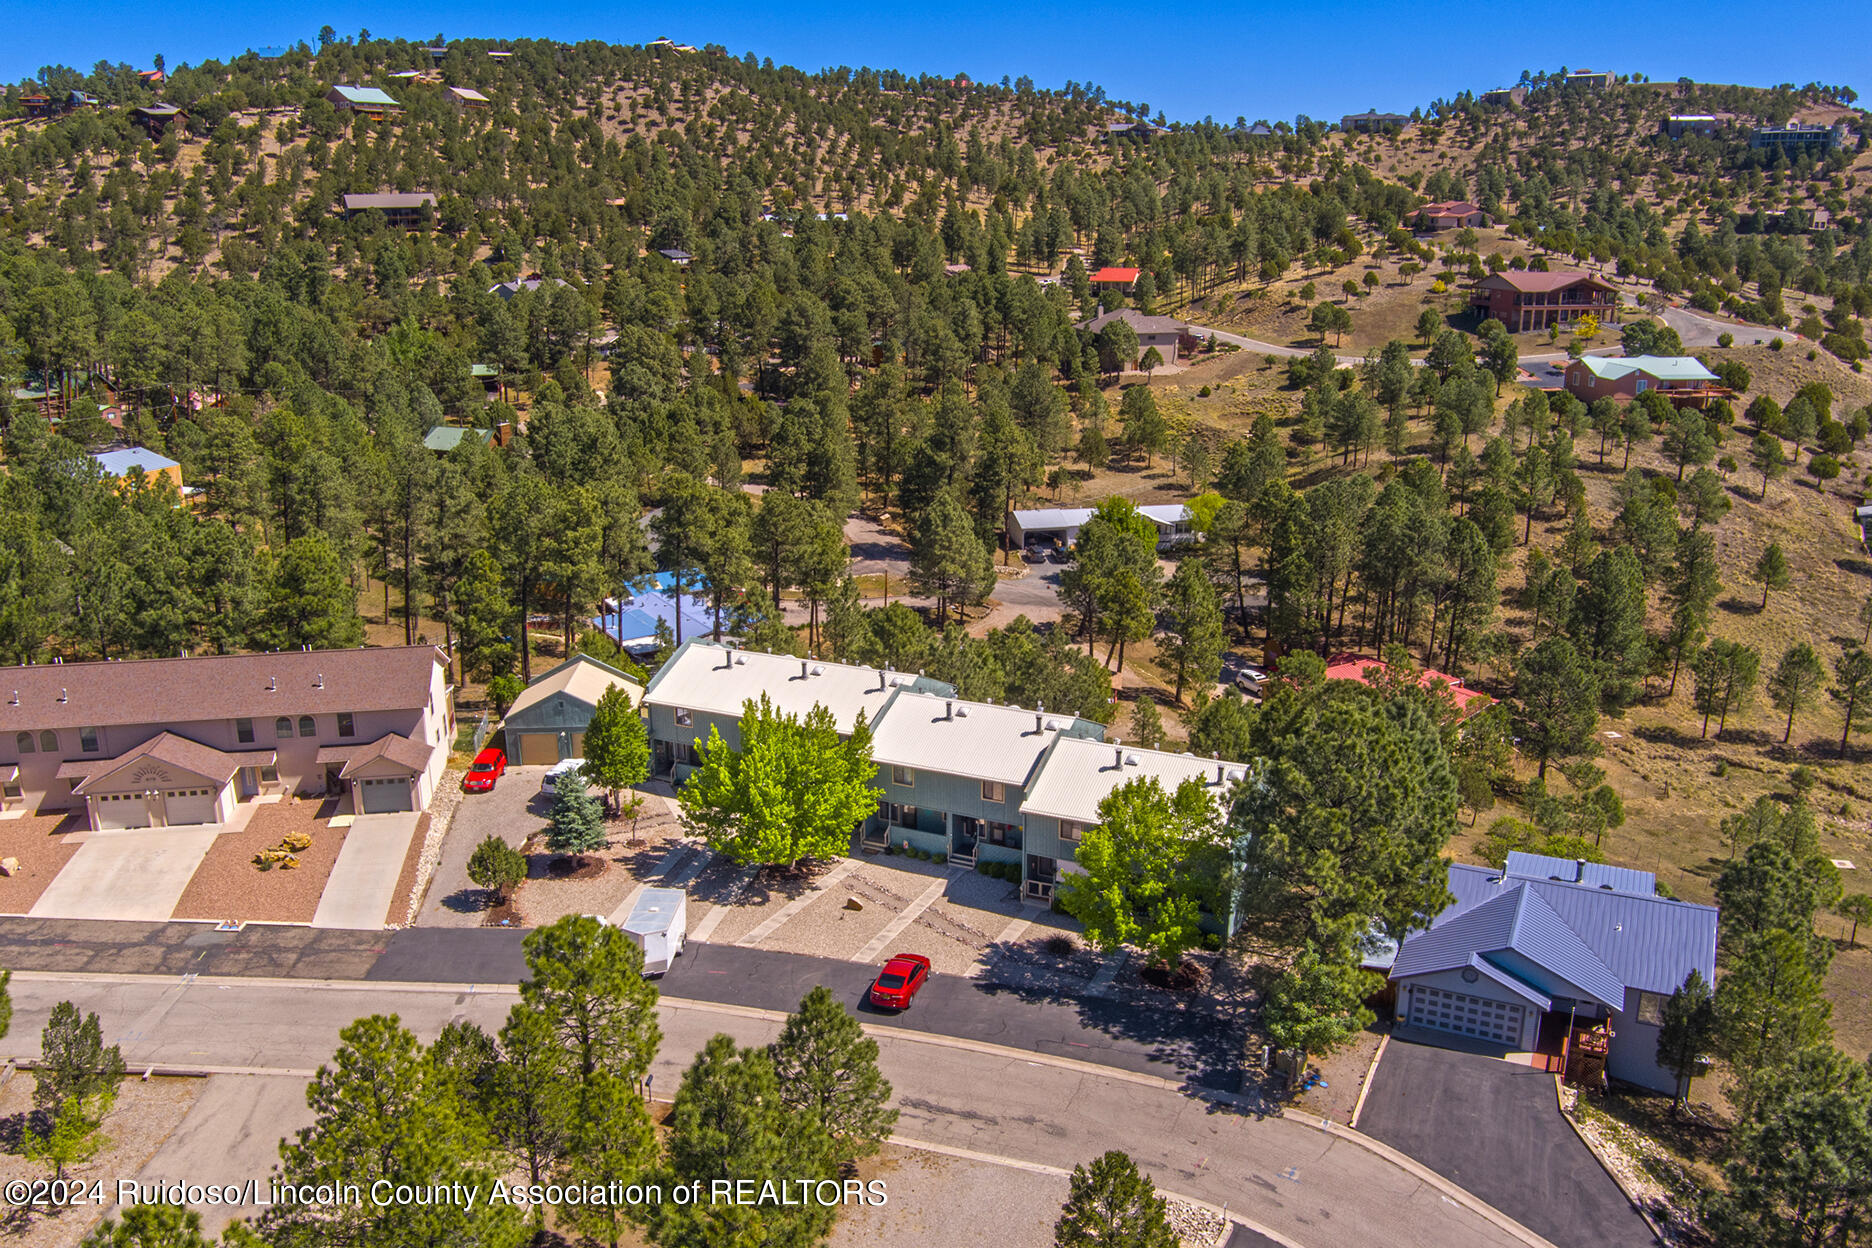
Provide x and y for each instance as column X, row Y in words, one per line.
column 949, row 710
column 1117, row 755
column 961, row 712
column 740, row 660
column 818, row 669
column 318, row 681
column 1608, row 888
column 805, row 669
column 1039, row 722
column 272, row 684
column 1131, row 760
column 62, row 695
column 1238, row 773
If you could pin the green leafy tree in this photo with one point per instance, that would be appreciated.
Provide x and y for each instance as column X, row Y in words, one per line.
column 1429, row 325
column 383, row 1112
column 1194, row 646
column 731, row 1121
column 1852, row 690
column 1771, row 569
column 1318, row 1003
column 497, row 866
column 827, row 1068
column 1688, row 1034
column 1112, row 1204
column 1725, row 677
column 1150, row 863
column 1796, row 683
column 1778, row 884
column 1556, row 703
column 793, row 790
column 1143, row 426
column 587, row 978
column 578, row 825
column 74, row 1137
column 617, row 748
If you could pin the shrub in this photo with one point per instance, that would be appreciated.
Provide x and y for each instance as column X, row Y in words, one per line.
column 981, row 866
column 940, row 857
column 1774, row 344
column 1725, row 340
column 1722, row 767
column 1061, row 945
column 1203, row 393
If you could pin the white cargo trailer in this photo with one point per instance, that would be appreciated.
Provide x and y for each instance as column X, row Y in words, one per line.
column 658, row 923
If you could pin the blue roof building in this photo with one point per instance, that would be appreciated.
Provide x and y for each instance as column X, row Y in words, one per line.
column 1544, row 936
column 631, row 618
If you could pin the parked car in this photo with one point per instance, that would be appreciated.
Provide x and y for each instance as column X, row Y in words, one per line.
column 899, row 981
column 549, row 783
column 1059, row 554
column 1250, row 679
column 487, row 767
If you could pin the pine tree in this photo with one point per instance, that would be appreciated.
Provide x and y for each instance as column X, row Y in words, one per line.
column 1772, row 570
column 497, row 866
column 75, row 1064
column 578, row 825
column 1146, row 723
column 947, row 559
column 1688, row 1033
column 1110, row 1204
column 827, row 1068
column 1196, row 641
column 1796, row 682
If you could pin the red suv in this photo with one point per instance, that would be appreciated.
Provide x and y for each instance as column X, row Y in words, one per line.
column 485, row 770
column 898, row 982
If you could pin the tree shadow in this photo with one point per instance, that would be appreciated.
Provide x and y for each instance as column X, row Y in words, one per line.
column 471, row 900
column 1858, row 567
column 1669, row 734
column 1740, row 606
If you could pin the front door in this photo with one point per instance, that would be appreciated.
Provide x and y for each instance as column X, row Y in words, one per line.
column 963, row 831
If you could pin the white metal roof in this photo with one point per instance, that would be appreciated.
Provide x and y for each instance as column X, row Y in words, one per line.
column 1078, row 773
column 1034, row 520
column 928, row 732
column 704, row 676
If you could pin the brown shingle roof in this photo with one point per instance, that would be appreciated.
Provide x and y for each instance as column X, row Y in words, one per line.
column 230, row 686
column 1136, row 320
column 191, row 756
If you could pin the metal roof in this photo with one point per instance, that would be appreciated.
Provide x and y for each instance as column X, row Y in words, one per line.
column 928, row 732
column 1518, row 922
column 1527, row 866
column 120, row 462
column 1649, row 943
column 1077, row 773
column 469, row 94
column 1075, row 517
column 582, row 678
column 448, row 437
column 654, row 910
column 1662, row 367
column 706, row 676
column 366, row 95
column 390, row 199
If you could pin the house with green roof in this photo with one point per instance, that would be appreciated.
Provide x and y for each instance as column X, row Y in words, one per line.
column 372, row 102
column 444, row 438
column 1682, row 379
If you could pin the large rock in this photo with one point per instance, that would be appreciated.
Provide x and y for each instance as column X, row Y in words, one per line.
column 9, row 866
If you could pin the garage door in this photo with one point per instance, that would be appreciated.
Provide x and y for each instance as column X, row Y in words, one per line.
column 1480, row 1017
column 539, row 749
column 122, row 810
column 382, row 797
column 188, row 806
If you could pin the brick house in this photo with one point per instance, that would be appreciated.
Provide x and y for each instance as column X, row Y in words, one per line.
column 1525, row 299
column 1680, row 378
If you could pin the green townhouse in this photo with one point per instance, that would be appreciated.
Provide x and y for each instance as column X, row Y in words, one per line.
column 972, row 780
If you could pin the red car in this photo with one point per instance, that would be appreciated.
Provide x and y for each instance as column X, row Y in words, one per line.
column 898, row 982
column 485, row 770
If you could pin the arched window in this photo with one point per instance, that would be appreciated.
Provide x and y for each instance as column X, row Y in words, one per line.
column 282, row 727
column 48, row 741
column 306, row 727
column 25, row 742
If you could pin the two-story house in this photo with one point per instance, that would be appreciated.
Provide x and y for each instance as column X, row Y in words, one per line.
column 163, row 742
column 1525, row 299
column 705, row 685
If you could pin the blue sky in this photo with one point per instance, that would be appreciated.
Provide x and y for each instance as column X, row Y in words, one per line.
column 1189, row 60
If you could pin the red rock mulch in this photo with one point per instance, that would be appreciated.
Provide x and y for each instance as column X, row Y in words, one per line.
column 406, row 878
column 228, row 885
column 38, row 841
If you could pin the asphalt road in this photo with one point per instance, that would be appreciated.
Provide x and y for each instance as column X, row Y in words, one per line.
column 1698, row 330
column 1495, row 1129
column 1313, row 1187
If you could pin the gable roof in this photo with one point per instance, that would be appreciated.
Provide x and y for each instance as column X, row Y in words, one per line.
column 448, row 437
column 166, row 747
column 1468, row 701
column 1648, row 942
column 1525, row 866
column 391, row 199
column 508, row 289
column 1115, row 275
column 1136, row 320
column 1450, row 208
column 1533, row 281
column 1515, row 922
column 120, row 462
column 581, row 678
column 705, row 676
column 1662, row 367
column 469, row 94
column 1077, row 773
column 392, row 747
column 929, row 732
column 222, row 686
column 372, row 96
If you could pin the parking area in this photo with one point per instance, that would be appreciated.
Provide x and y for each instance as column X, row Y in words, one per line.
column 1495, row 1128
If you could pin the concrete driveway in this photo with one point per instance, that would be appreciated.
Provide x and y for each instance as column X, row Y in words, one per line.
column 127, row 875
column 513, row 811
column 1494, row 1128
column 358, row 893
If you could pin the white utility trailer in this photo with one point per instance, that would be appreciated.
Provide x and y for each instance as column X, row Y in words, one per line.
column 658, row 922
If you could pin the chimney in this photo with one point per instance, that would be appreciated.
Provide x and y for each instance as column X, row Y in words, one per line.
column 1579, row 869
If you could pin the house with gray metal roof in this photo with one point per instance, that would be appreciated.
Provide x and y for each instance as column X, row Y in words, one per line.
column 1062, row 524
column 1528, row 953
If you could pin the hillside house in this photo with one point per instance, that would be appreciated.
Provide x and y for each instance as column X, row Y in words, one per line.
column 401, row 210
column 370, row 102
column 1113, row 277
column 547, row 722
column 38, row 106
column 1591, row 78
column 1796, row 135
column 1524, row 299
column 150, row 77
column 469, row 100
column 676, row 256
column 444, row 438
column 1166, row 333
column 1372, row 122
column 167, row 742
column 632, row 617
column 1530, row 955
column 1509, row 97
column 1681, row 378
column 1455, row 214
column 1355, row 667
column 1703, row 125
column 1133, row 130
column 1061, row 525
column 505, row 291
column 157, row 118
column 126, row 464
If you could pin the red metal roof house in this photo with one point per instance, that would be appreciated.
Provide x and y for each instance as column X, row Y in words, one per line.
column 1528, row 299
column 1113, row 276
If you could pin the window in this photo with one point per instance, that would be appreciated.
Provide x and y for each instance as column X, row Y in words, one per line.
column 1651, row 1008
column 1071, row 830
column 992, row 791
column 88, row 740
column 48, row 741
column 903, row 777
column 269, row 774
column 306, row 727
column 347, row 724
column 25, row 743
column 282, row 727
column 684, row 718
column 1004, row 834
column 685, row 753
column 898, row 815
column 243, row 731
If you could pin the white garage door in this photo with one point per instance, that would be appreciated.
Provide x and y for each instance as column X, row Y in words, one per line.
column 382, row 797
column 122, row 810
column 182, row 806
column 1442, row 1010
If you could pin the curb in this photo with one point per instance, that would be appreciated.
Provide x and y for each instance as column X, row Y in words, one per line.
column 1631, row 1197
column 1358, row 1108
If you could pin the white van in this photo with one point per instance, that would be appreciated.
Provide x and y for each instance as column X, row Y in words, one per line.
column 565, row 766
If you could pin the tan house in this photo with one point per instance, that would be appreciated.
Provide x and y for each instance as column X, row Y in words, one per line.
column 547, row 722
column 1166, row 333
column 469, row 100
column 166, row 742
column 131, row 463
column 1451, row 215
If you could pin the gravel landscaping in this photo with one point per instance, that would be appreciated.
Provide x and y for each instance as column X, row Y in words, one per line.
column 408, row 890
column 38, row 841
column 144, row 1116
column 827, row 929
column 442, row 807
column 228, row 885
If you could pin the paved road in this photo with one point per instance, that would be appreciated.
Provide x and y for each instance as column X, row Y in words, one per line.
column 1315, row 1187
column 1495, row 1129
column 1698, row 330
